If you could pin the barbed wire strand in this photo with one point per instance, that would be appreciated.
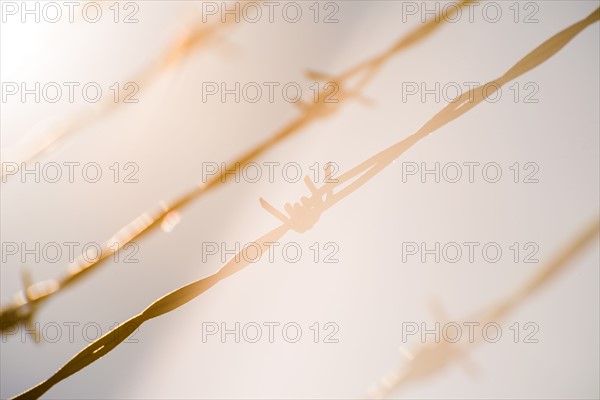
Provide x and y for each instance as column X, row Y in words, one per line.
column 26, row 302
column 302, row 216
column 195, row 36
column 431, row 359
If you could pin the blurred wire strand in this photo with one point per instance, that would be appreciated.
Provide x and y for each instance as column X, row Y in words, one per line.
column 25, row 303
column 303, row 215
column 197, row 35
column 430, row 359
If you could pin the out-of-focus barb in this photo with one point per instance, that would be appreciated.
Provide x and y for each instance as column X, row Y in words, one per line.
column 358, row 176
column 197, row 35
column 430, row 359
column 19, row 310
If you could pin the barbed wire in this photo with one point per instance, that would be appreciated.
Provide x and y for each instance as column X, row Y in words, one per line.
column 303, row 215
column 194, row 36
column 26, row 302
column 427, row 360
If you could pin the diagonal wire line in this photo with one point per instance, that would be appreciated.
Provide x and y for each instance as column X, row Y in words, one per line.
column 195, row 36
column 431, row 359
column 302, row 217
column 22, row 309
